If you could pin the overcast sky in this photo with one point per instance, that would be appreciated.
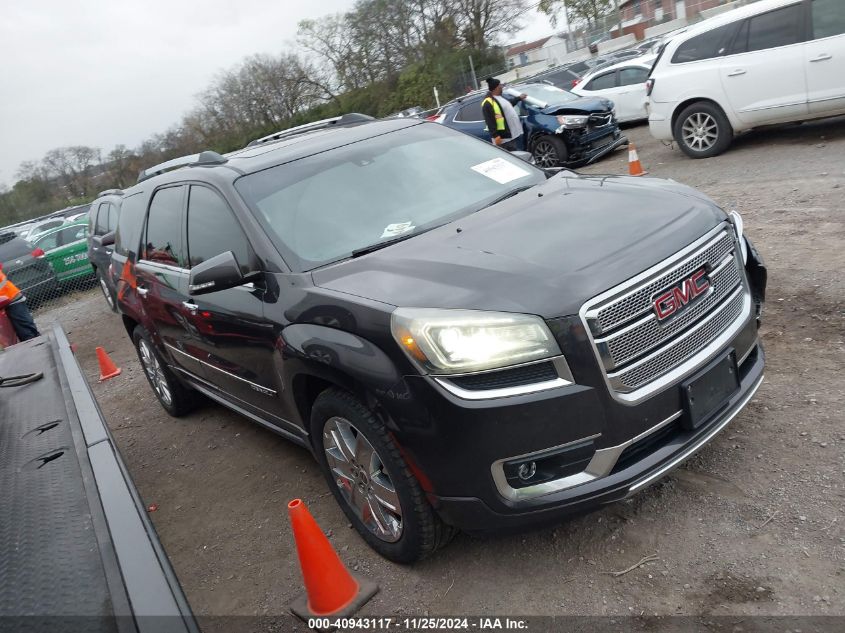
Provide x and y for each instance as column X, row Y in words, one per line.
column 109, row 72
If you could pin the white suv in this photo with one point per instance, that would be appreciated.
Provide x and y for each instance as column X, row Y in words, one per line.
column 773, row 61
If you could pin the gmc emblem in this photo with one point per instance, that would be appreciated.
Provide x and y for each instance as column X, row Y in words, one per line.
column 676, row 299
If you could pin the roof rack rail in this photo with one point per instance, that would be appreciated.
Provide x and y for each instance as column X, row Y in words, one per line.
column 350, row 118
column 110, row 192
column 207, row 158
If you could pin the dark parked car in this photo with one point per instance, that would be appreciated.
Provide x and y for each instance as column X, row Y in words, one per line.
column 560, row 128
column 462, row 339
column 102, row 223
column 27, row 267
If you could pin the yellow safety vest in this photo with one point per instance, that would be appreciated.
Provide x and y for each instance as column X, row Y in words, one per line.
column 497, row 111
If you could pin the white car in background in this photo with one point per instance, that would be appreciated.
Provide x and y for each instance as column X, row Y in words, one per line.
column 770, row 62
column 624, row 84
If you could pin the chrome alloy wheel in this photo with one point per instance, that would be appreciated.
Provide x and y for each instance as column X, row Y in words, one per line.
column 106, row 292
column 545, row 154
column 700, row 131
column 155, row 372
column 362, row 479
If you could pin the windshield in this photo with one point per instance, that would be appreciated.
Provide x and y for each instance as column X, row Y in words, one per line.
column 325, row 207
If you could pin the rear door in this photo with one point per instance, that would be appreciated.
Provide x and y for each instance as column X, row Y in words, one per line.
column 65, row 249
column 763, row 73
column 161, row 278
column 237, row 345
column 825, row 57
column 469, row 119
column 630, row 99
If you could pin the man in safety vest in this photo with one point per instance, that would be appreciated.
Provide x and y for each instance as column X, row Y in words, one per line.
column 503, row 123
column 17, row 310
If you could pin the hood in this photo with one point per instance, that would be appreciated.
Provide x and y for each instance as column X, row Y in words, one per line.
column 535, row 254
column 584, row 105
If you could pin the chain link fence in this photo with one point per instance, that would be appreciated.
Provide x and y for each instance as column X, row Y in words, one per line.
column 47, row 259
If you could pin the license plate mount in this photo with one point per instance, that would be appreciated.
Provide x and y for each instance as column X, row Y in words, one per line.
column 709, row 390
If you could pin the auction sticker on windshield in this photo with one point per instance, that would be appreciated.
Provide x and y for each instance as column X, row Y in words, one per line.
column 500, row 170
column 392, row 230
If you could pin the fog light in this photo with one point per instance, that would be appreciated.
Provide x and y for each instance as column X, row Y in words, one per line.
column 527, row 470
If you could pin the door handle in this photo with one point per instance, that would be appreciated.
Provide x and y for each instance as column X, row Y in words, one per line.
column 821, row 58
column 142, row 291
column 190, row 306
column 736, row 73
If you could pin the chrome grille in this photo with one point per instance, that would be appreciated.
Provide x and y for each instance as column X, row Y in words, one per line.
column 634, row 347
column 648, row 332
column 682, row 349
column 600, row 120
column 639, row 301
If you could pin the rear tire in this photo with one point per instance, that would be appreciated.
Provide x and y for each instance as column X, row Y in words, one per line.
column 702, row 130
column 549, row 151
column 176, row 398
column 371, row 481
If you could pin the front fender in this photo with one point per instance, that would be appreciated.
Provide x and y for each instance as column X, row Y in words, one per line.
column 344, row 358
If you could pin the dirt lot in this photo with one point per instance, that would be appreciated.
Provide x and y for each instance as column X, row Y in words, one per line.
column 752, row 525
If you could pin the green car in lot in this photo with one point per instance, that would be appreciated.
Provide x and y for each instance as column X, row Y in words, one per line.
column 66, row 249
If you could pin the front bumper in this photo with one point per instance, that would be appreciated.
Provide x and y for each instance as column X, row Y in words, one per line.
column 672, row 446
column 585, row 151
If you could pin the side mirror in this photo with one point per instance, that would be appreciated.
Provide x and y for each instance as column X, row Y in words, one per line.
column 218, row 273
column 107, row 239
column 526, row 156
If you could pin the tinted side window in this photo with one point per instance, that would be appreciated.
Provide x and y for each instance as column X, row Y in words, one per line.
column 602, row 82
column 213, row 229
column 632, row 76
column 71, row 234
column 129, row 225
column 775, row 28
column 470, row 112
column 163, row 241
column 828, row 18
column 705, row 46
column 102, row 219
column 48, row 241
column 561, row 79
column 112, row 221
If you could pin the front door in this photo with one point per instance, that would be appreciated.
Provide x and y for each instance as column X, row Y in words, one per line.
column 162, row 280
column 825, row 58
column 236, row 343
column 763, row 73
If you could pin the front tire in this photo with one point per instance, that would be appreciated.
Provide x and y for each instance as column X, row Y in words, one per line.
column 176, row 398
column 371, row 482
column 549, row 151
column 702, row 130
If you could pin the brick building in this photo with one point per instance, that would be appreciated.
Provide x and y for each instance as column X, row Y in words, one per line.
column 656, row 11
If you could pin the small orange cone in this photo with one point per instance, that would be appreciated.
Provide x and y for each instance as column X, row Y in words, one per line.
column 330, row 588
column 107, row 367
column 635, row 168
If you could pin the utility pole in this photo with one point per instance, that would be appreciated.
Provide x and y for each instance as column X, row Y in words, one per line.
column 472, row 70
column 618, row 17
column 570, row 42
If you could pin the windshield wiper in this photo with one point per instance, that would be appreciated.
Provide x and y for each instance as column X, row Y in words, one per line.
column 507, row 195
column 379, row 245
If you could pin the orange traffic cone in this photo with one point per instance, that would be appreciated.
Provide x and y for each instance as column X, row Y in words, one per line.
column 330, row 588
column 634, row 166
column 107, row 367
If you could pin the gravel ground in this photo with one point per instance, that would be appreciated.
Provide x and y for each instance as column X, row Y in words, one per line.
column 752, row 525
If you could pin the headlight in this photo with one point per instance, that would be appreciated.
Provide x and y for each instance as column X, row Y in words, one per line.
column 572, row 120
column 458, row 341
column 736, row 219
